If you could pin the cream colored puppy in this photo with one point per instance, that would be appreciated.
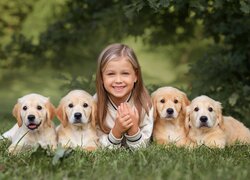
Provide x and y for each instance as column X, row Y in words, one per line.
column 34, row 113
column 169, row 115
column 206, row 125
column 236, row 131
column 77, row 113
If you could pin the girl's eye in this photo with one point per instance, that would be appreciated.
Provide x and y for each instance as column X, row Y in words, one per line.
column 85, row 105
column 71, row 105
column 196, row 109
column 210, row 109
column 176, row 101
column 25, row 108
column 39, row 107
column 162, row 101
column 110, row 74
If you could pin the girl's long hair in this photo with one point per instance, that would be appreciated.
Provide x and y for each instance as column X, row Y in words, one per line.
column 140, row 94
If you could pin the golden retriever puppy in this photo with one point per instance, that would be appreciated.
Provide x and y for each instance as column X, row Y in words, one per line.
column 206, row 125
column 77, row 113
column 34, row 114
column 169, row 115
column 236, row 131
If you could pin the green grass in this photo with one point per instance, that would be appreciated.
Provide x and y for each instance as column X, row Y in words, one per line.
column 154, row 162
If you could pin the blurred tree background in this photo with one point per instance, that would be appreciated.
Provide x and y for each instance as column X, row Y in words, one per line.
column 201, row 47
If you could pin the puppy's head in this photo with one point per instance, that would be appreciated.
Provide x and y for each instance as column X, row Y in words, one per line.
column 169, row 103
column 203, row 112
column 33, row 110
column 77, row 108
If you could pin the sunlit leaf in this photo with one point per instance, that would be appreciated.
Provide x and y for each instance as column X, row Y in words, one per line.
column 233, row 99
column 60, row 154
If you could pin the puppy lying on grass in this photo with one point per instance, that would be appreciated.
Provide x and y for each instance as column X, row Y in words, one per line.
column 206, row 125
column 34, row 114
column 169, row 115
column 77, row 113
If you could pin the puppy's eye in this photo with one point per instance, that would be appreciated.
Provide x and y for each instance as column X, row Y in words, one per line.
column 85, row 105
column 39, row 107
column 176, row 101
column 196, row 109
column 162, row 101
column 210, row 109
column 71, row 105
column 25, row 108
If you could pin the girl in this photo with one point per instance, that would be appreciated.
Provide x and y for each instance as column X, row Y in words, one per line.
column 124, row 106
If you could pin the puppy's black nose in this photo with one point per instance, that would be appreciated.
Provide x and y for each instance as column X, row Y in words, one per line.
column 78, row 115
column 170, row 111
column 31, row 117
column 203, row 118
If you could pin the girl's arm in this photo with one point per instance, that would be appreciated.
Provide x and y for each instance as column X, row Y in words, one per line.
column 108, row 140
column 143, row 135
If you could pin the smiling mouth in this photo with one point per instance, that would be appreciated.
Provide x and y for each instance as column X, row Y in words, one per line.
column 118, row 88
column 33, row 126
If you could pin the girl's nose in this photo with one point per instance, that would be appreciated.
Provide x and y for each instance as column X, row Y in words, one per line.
column 118, row 79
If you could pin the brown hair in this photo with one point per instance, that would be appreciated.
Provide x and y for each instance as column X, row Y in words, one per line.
column 140, row 94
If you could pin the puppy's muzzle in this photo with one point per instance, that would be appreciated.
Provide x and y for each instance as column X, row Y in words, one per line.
column 31, row 118
column 31, row 122
column 170, row 112
column 78, row 117
column 203, row 121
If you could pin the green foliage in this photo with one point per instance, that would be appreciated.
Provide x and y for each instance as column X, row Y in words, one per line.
column 13, row 14
column 77, row 35
column 76, row 82
column 161, row 22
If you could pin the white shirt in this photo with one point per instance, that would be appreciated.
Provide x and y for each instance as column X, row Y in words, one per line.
column 140, row 139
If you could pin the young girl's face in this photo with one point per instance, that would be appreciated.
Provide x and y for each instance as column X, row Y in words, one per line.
column 119, row 77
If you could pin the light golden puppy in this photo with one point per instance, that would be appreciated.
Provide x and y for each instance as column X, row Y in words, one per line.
column 77, row 113
column 169, row 115
column 236, row 131
column 206, row 125
column 34, row 113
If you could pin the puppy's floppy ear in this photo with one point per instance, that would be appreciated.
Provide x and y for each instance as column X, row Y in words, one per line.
column 154, row 101
column 185, row 102
column 218, row 109
column 61, row 114
column 187, row 118
column 93, row 114
column 17, row 114
column 50, row 112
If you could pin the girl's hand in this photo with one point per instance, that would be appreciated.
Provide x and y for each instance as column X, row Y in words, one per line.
column 134, row 115
column 123, row 121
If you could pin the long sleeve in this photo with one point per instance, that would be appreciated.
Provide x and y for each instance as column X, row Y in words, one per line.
column 108, row 140
column 142, row 137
